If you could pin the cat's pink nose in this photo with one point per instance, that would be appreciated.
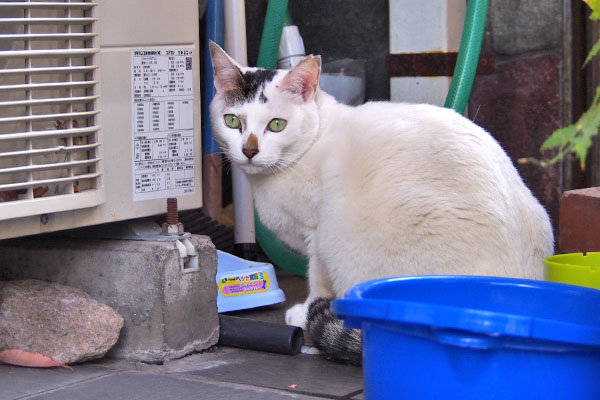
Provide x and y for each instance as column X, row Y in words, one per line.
column 250, row 148
column 249, row 152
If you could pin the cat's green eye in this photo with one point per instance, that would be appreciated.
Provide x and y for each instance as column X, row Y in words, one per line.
column 277, row 124
column 232, row 121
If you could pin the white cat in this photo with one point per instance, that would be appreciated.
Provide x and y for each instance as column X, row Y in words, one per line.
column 379, row 190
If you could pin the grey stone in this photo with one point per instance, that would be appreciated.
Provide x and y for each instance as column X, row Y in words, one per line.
column 58, row 321
column 519, row 26
column 168, row 312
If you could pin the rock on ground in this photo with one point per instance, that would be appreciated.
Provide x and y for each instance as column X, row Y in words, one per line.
column 58, row 321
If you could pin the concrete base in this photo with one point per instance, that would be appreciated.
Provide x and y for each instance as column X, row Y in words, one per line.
column 168, row 312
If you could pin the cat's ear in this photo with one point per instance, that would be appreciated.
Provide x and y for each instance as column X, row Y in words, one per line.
column 303, row 79
column 226, row 71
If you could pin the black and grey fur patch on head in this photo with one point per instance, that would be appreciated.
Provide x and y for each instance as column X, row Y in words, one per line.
column 249, row 84
column 262, row 98
column 330, row 336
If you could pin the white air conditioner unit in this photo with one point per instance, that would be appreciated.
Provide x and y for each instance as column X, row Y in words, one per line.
column 99, row 111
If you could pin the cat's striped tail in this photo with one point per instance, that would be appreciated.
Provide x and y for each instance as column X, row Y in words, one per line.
column 330, row 336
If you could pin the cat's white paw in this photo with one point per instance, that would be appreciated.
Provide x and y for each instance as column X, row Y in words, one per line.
column 309, row 350
column 296, row 315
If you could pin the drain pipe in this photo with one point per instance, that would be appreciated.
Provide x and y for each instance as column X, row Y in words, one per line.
column 235, row 46
column 259, row 335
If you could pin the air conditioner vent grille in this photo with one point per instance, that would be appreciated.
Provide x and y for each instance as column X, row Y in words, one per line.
column 49, row 135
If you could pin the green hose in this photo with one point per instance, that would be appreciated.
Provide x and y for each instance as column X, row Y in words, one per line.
column 271, row 35
column 458, row 96
column 278, row 253
column 468, row 56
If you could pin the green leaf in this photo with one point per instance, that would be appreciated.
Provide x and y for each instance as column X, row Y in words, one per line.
column 592, row 53
column 596, row 97
column 577, row 138
column 595, row 6
column 560, row 137
column 581, row 150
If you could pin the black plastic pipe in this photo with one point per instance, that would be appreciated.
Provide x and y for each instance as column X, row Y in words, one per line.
column 259, row 335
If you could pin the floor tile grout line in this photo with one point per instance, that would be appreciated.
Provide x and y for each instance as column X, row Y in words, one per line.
column 315, row 395
column 352, row 394
column 191, row 376
column 205, row 379
column 43, row 392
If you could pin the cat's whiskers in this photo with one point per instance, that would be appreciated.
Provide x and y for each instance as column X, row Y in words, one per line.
column 229, row 167
column 290, row 166
column 274, row 168
column 287, row 168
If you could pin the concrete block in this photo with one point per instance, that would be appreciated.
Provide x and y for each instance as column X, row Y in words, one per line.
column 579, row 221
column 168, row 312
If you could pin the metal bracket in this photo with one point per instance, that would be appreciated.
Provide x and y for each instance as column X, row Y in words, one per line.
column 188, row 257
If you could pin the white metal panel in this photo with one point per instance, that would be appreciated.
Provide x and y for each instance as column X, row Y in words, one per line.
column 48, row 142
column 47, row 5
column 147, row 22
column 120, row 27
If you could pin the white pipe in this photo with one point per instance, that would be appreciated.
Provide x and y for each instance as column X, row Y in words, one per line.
column 235, row 46
column 235, row 30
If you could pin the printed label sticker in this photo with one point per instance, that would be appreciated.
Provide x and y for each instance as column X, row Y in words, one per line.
column 162, row 123
column 236, row 285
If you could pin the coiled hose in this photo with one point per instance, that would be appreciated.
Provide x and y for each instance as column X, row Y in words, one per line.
column 457, row 99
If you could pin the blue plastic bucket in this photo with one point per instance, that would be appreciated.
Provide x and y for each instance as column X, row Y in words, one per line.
column 464, row 337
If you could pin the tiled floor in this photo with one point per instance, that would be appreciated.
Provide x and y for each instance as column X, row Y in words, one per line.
column 222, row 373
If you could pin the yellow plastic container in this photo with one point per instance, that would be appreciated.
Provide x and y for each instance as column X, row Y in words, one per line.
column 574, row 269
